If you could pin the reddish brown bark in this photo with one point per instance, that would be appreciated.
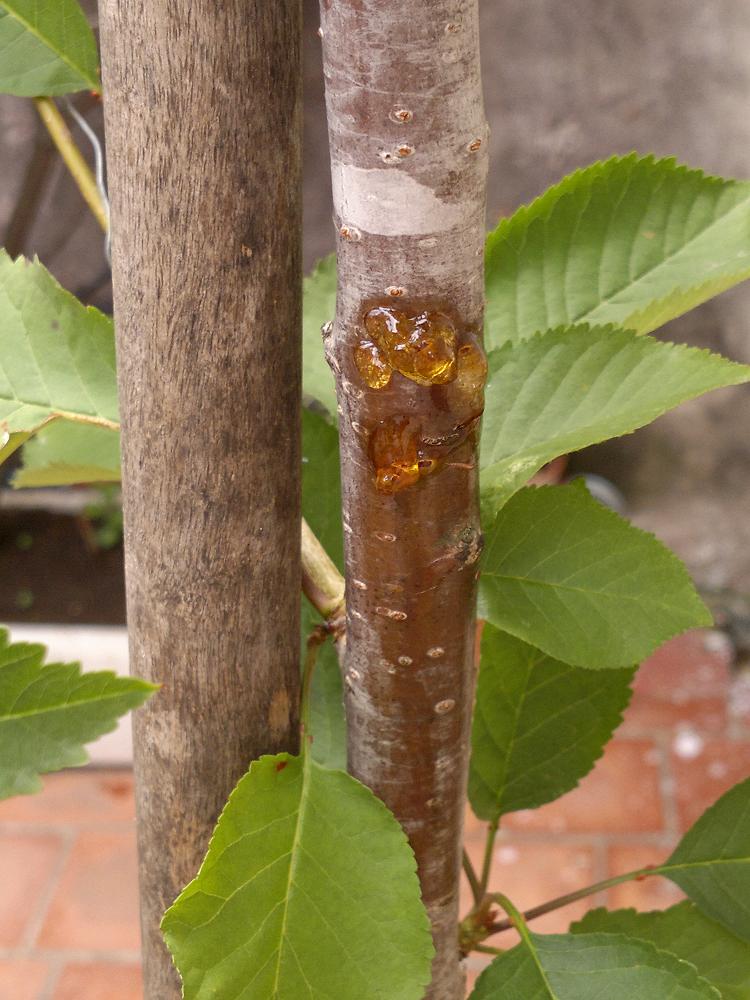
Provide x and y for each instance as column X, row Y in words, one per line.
column 408, row 149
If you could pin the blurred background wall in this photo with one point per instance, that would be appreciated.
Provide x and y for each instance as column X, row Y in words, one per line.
column 566, row 84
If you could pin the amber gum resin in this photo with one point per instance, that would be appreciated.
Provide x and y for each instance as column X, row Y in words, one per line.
column 394, row 453
column 371, row 365
column 422, row 348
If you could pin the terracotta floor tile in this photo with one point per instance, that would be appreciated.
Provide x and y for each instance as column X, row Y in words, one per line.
column 475, row 964
column 27, row 864
column 651, row 893
column 21, row 979
column 472, row 825
column 96, row 903
column 621, row 795
column 687, row 681
column 703, row 771
column 84, row 796
column 739, row 701
column 100, row 981
column 682, row 690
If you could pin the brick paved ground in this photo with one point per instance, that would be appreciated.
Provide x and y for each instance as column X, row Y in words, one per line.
column 68, row 907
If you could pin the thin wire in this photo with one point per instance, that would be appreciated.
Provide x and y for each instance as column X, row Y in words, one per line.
column 98, row 168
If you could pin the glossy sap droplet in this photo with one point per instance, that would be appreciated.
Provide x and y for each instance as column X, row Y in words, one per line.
column 394, row 453
column 372, row 365
column 397, row 450
column 421, row 347
column 426, row 464
column 465, row 395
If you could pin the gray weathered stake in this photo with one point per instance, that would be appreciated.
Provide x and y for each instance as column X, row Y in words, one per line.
column 203, row 129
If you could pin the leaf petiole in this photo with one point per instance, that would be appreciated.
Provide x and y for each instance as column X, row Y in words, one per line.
column 487, row 863
column 561, row 901
column 472, row 878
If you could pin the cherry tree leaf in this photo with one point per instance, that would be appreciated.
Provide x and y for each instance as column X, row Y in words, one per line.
column 48, row 711
column 539, row 725
column 309, row 889
column 47, row 48
column 717, row 954
column 574, row 579
column 631, row 241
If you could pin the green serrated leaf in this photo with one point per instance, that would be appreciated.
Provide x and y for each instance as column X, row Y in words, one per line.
column 321, row 483
column 720, row 957
column 309, row 889
column 10, row 443
column 590, row 967
column 539, row 725
column 712, row 862
column 58, row 356
column 567, row 389
column 63, row 453
column 631, row 241
column 47, row 48
column 318, row 308
column 327, row 720
column 577, row 581
column 321, row 507
column 48, row 711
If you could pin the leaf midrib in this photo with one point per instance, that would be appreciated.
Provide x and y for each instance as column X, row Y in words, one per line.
column 61, row 706
column 294, row 860
column 665, row 869
column 511, row 742
column 57, row 414
column 47, row 44
column 609, row 595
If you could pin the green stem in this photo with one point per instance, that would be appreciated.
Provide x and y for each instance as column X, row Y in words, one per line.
column 485, row 949
column 322, row 583
column 561, row 901
column 471, row 876
column 73, row 158
column 515, row 917
column 487, row 863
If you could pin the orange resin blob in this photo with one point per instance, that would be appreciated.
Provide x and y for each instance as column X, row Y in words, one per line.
column 399, row 454
column 394, row 450
column 465, row 395
column 422, row 347
column 371, row 365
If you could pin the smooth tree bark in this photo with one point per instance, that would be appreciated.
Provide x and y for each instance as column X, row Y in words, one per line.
column 203, row 126
column 408, row 141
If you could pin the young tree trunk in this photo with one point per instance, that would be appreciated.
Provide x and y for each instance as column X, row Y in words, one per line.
column 408, row 149
column 203, row 126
